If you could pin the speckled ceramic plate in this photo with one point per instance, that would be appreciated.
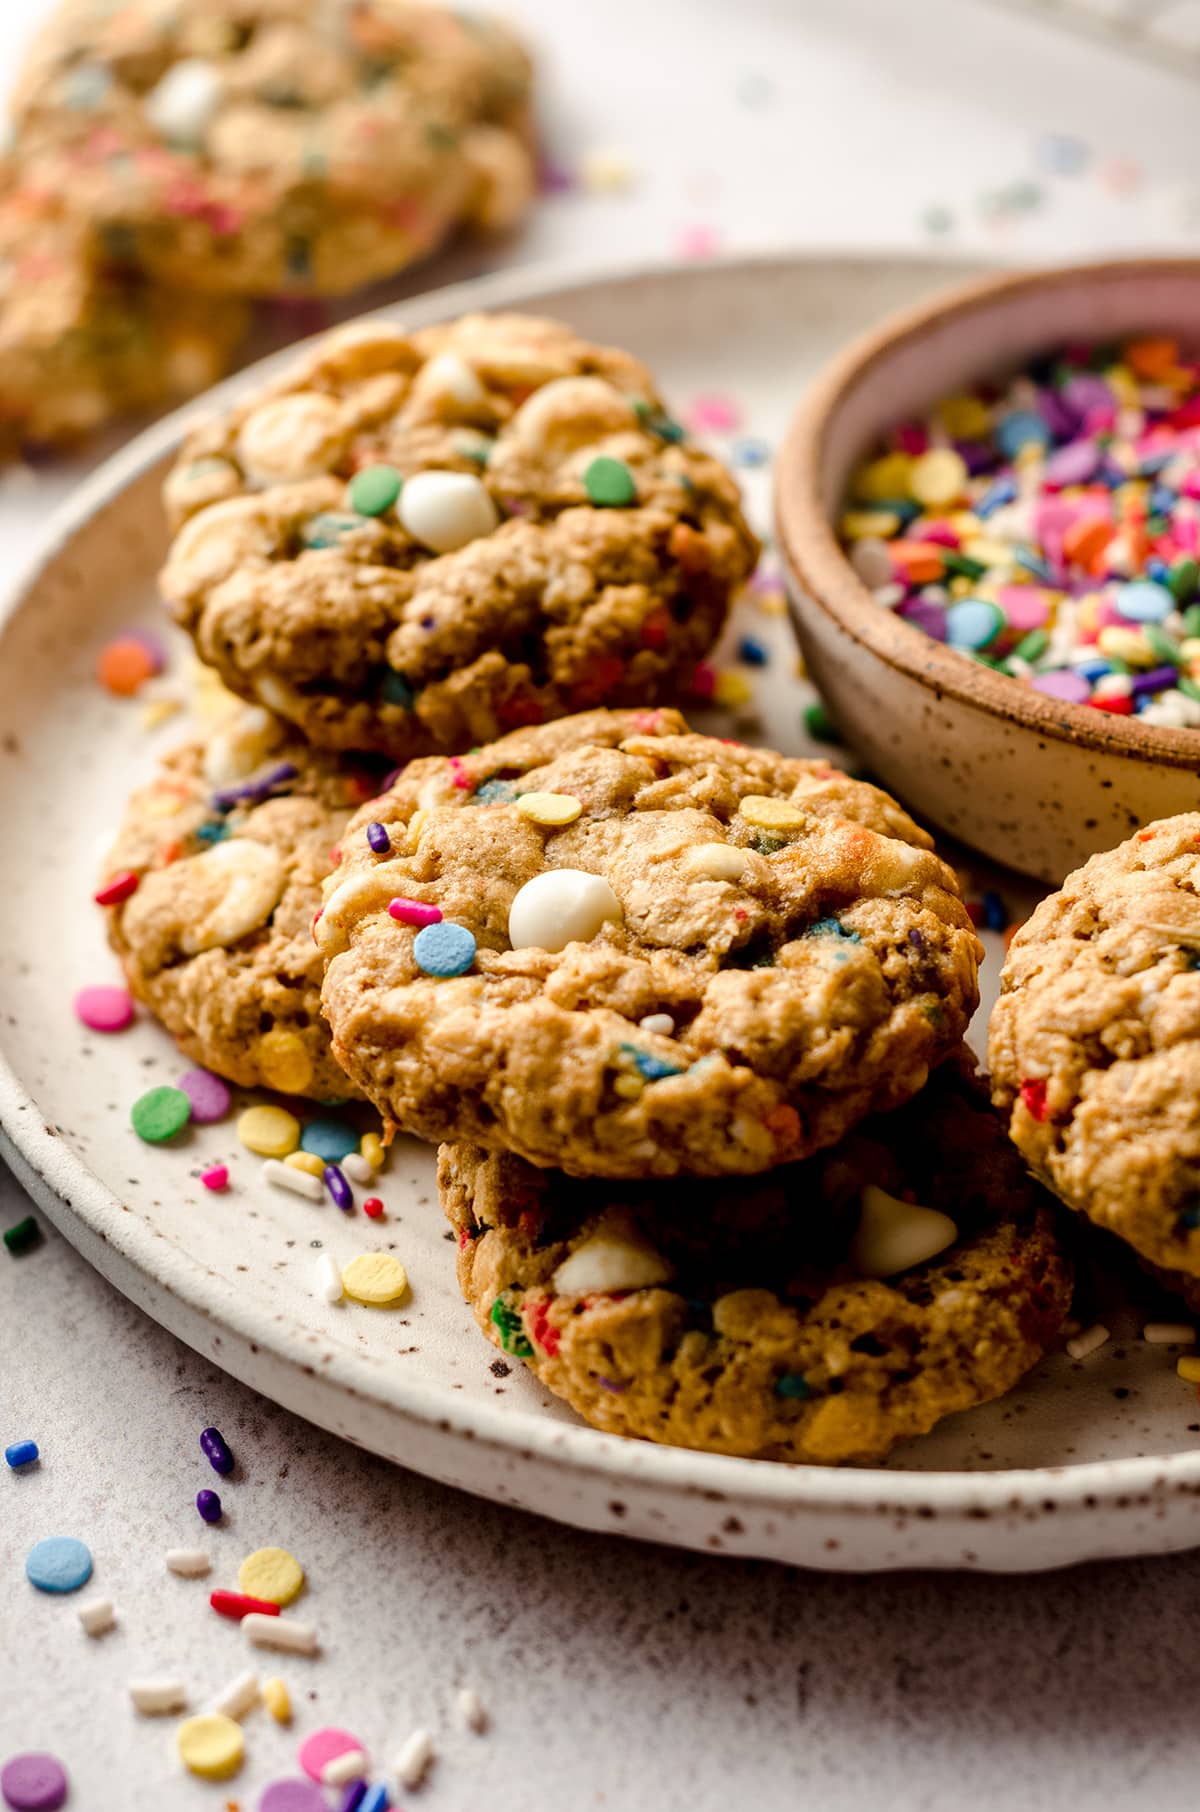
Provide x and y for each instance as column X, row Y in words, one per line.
column 1083, row 1460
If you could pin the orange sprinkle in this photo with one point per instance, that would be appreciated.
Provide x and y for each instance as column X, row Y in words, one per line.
column 125, row 666
column 784, row 1122
column 1087, row 539
column 921, row 561
column 1151, row 358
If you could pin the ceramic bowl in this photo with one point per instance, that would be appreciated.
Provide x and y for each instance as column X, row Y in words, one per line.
column 1031, row 781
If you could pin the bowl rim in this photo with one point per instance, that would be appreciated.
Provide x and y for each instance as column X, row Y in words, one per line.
column 813, row 558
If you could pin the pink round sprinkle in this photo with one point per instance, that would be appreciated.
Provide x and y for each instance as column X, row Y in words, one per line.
column 105, row 1009
column 209, row 1096
column 714, row 414
column 216, row 1178
column 322, row 1747
column 1025, row 606
column 1064, row 684
column 414, row 912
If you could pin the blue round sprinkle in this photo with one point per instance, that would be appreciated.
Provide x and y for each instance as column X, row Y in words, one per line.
column 58, row 1564
column 21, row 1453
column 329, row 1140
column 444, row 949
column 1018, row 429
column 973, row 623
column 1142, row 601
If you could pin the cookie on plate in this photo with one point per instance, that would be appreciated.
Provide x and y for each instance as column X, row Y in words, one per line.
column 821, row 1314
column 227, row 848
column 262, row 147
column 79, row 345
column 415, row 543
column 1094, row 1043
column 622, row 949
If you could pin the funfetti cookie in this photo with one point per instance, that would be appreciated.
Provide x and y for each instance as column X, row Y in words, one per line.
column 820, row 1314
column 264, row 147
column 1095, row 1042
column 415, row 543
column 625, row 950
column 214, row 880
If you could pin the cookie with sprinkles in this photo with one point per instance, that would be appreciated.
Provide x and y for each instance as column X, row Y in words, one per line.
column 266, row 147
column 1094, row 1043
column 414, row 543
column 80, row 345
column 214, row 877
column 924, row 1277
column 669, row 954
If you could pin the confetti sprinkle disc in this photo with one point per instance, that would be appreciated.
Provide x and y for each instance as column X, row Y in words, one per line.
column 324, row 1746
column 34, row 1782
column 292, row 1796
column 211, row 1745
column 375, row 1278
column 159, row 1114
column 58, row 1564
column 270, row 1131
column 273, row 1574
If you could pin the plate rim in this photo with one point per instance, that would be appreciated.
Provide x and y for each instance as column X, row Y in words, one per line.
column 60, row 1181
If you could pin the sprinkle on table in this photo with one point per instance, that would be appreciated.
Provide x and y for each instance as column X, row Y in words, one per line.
column 22, row 1236
column 216, row 1451
column 1081, row 1346
column 272, row 1573
column 209, row 1505
column 271, row 1132
column 21, row 1453
column 33, row 1782
column 211, row 1745
column 329, row 1140
column 208, row 1094
column 1169, row 1333
column 375, row 1278
column 104, row 1008
column 58, row 1563
column 160, row 1114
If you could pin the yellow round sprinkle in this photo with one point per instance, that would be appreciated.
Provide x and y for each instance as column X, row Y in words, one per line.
column 856, row 524
column 271, row 1573
column 277, row 1699
column 211, row 1745
column 375, row 1278
column 372, row 1149
column 308, row 1161
column 964, row 417
column 732, row 689
column 1189, row 1370
column 270, row 1131
column 284, row 1062
column 630, row 1088
column 1127, row 644
column 885, row 479
column 939, row 477
column 550, row 808
column 772, row 814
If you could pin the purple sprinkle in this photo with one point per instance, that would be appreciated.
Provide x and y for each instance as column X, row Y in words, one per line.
column 33, row 1782
column 209, row 1505
column 925, row 615
column 209, row 1096
column 215, row 1449
column 1057, row 417
column 338, row 1188
column 1086, row 391
column 292, row 1796
column 976, row 455
column 1075, row 463
column 389, row 780
column 379, row 840
column 1063, row 683
column 917, row 939
column 353, row 1797
column 1154, row 681
column 607, row 1384
column 255, row 790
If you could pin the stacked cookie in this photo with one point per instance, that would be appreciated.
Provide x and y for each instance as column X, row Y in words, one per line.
column 170, row 163
column 686, row 1017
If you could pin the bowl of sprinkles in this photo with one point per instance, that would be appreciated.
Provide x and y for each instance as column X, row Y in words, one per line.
column 989, row 516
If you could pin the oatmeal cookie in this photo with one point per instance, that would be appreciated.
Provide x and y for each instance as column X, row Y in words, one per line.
column 622, row 949
column 715, row 1316
column 416, row 542
column 263, row 147
column 1095, row 1042
column 227, row 848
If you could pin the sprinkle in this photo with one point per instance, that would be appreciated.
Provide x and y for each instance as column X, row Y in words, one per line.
column 209, row 1506
column 374, row 490
column 253, row 792
column 357, row 1168
column 189, row 1563
column 160, row 1114
column 104, row 1009
column 471, row 1710
column 375, row 1278
column 415, row 1759
column 215, row 1449
column 377, row 837
column 1169, row 1333
column 276, row 1698
column 236, row 1605
column 280, row 1632
column 208, row 1094
column 119, row 888
column 288, row 1176
column 766, row 813
column 373, row 1208
column 329, row 1278
column 216, row 1177
column 239, row 1697
column 819, row 725
column 307, row 1161
column 22, row 1236
column 125, row 665
column 339, row 1189
column 371, row 1146
column 283, row 1060
column 292, row 1796
column 609, row 483
column 271, row 1132
column 212, row 1745
column 375, row 1799
column 1080, row 1346
column 328, row 1139
column 59, row 1563
column 549, row 808
column 158, row 1698
column 1188, row 1369
column 344, row 1768
column 21, row 1453
column 444, row 950
column 33, row 1782
column 272, row 1573
column 97, row 1616
column 752, row 652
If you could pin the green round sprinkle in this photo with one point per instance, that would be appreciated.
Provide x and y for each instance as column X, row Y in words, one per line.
column 159, row 1114
column 1183, row 578
column 329, row 527
column 610, row 484
column 22, row 1236
column 820, row 725
column 793, row 1384
column 394, row 689
column 374, row 490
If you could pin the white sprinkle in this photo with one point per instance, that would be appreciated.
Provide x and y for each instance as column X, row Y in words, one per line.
column 1169, row 1333
column 189, row 1563
column 329, row 1277
column 239, row 1697
column 357, row 1168
column 471, row 1711
column 657, row 1022
column 413, row 1761
column 1088, row 1342
column 286, row 1176
column 155, row 1698
column 280, row 1632
column 888, row 596
column 97, row 1616
column 351, row 1765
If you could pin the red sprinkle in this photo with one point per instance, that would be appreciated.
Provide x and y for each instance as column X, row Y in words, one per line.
column 118, row 889
column 236, row 1605
column 541, row 1329
column 216, row 1178
column 1033, row 1094
column 373, row 1207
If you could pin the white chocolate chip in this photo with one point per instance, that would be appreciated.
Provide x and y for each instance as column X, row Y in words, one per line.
column 446, row 375
column 570, row 413
column 561, row 906
column 232, row 889
column 893, row 1236
column 292, row 437
column 446, row 510
column 614, row 1257
column 715, row 861
column 239, row 747
column 216, row 541
column 181, row 106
